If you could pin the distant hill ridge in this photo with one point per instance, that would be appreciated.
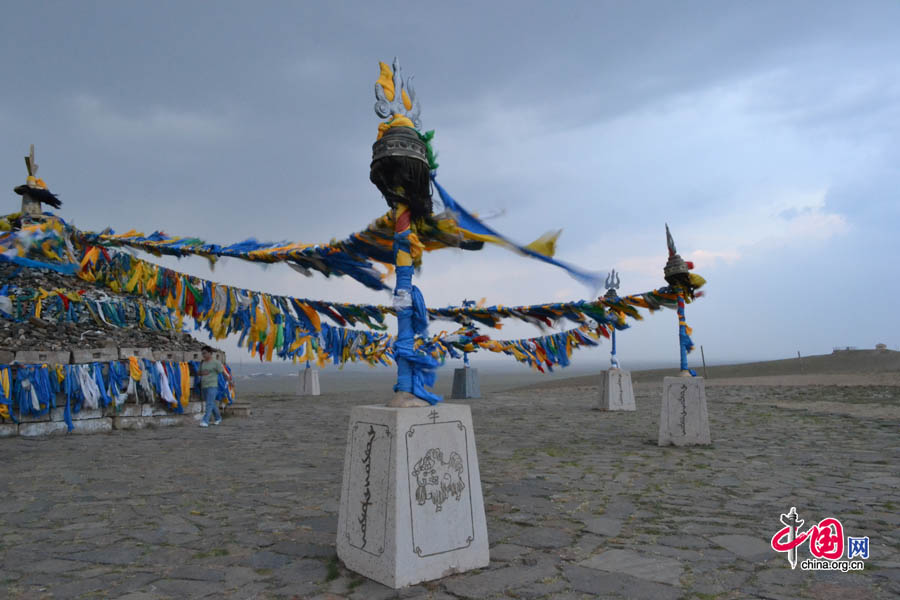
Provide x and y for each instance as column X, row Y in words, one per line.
column 839, row 361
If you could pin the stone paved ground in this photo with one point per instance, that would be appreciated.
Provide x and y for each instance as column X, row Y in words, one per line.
column 581, row 504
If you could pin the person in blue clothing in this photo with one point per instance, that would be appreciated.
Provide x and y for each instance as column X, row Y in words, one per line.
column 209, row 385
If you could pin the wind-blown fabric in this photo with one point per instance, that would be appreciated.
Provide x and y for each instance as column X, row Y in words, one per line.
column 474, row 229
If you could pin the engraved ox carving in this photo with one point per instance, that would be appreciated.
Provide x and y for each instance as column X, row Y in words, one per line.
column 438, row 480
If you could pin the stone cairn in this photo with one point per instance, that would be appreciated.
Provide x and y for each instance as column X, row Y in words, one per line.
column 140, row 410
column 54, row 340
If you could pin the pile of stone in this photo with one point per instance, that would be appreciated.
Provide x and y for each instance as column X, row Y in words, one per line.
column 43, row 335
column 43, row 341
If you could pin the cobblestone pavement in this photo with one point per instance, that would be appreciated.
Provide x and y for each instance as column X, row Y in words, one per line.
column 580, row 503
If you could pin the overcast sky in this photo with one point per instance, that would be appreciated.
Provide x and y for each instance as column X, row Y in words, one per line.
column 765, row 134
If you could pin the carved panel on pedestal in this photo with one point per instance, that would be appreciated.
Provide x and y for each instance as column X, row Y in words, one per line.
column 440, row 499
column 366, row 511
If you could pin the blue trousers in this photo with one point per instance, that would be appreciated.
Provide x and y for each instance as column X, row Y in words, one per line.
column 212, row 409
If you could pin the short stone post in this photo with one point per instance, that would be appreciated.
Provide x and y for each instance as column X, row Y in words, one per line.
column 683, row 419
column 308, row 385
column 465, row 381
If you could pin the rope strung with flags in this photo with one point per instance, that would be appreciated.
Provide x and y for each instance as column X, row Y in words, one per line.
column 355, row 256
column 269, row 325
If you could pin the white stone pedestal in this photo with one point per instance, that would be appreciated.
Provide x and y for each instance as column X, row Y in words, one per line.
column 309, row 382
column 616, row 392
column 411, row 503
column 683, row 419
column 466, row 383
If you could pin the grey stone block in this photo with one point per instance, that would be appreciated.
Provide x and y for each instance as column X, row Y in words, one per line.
column 92, row 425
column 45, row 428
column 37, row 357
column 8, row 430
column 153, row 410
column 7, row 357
column 237, row 409
column 58, row 414
column 32, row 419
column 95, row 355
column 124, row 410
column 126, row 353
column 168, row 355
column 466, row 383
column 191, row 356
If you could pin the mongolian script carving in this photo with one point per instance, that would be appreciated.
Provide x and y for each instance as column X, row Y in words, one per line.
column 621, row 398
column 367, row 495
column 681, row 399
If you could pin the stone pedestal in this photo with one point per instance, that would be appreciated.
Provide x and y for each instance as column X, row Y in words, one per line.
column 466, row 383
column 411, row 503
column 683, row 419
column 309, row 382
column 616, row 392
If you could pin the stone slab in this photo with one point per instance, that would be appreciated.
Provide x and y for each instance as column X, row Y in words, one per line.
column 616, row 391
column 31, row 418
column 58, row 414
column 7, row 357
column 132, row 422
column 126, row 353
column 173, row 420
column 603, row 526
column 37, row 357
column 237, row 409
column 124, row 410
column 45, row 428
column 8, row 430
column 650, row 568
column 683, row 417
column 466, row 383
column 168, row 355
column 154, row 410
column 189, row 356
column 95, row 355
column 92, row 425
column 745, row 546
column 308, row 382
column 411, row 503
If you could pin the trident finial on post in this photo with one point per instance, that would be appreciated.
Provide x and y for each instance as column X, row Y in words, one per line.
column 395, row 95
column 612, row 284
